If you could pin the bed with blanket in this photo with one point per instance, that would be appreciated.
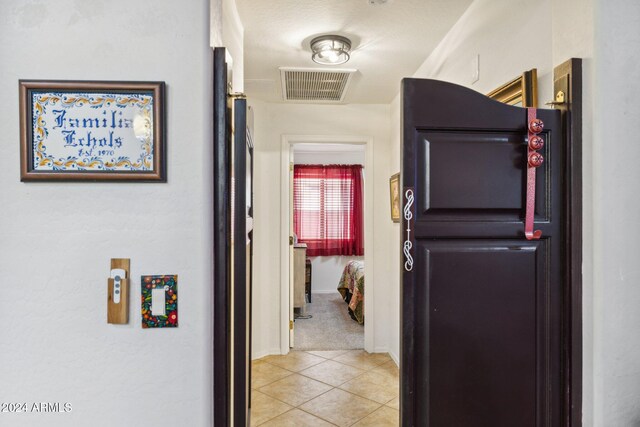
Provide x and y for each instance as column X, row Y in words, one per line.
column 351, row 287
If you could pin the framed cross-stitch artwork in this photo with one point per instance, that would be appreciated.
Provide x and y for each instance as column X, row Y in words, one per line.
column 91, row 131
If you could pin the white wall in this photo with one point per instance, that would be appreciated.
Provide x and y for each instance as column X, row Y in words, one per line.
column 328, row 157
column 271, row 122
column 227, row 31
column 56, row 239
column 215, row 23
column 616, row 209
column 327, row 270
column 395, row 237
column 233, row 40
column 510, row 36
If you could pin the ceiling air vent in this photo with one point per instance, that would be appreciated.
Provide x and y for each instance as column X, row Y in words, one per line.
column 311, row 85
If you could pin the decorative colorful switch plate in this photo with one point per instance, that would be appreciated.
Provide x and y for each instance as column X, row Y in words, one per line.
column 159, row 301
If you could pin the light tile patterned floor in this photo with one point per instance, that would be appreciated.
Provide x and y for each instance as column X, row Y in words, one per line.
column 325, row 388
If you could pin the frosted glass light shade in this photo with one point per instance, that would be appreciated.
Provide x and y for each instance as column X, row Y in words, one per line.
column 330, row 49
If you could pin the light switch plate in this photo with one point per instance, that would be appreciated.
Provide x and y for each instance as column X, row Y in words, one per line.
column 159, row 301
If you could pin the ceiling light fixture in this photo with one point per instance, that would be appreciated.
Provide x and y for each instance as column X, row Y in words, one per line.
column 330, row 49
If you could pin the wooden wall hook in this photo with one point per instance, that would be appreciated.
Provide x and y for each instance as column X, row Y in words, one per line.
column 118, row 291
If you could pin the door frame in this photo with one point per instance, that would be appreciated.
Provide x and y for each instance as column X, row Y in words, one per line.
column 287, row 142
column 567, row 77
column 572, row 335
column 221, row 363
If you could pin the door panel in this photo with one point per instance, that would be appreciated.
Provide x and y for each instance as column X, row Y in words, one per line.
column 481, row 304
column 479, row 327
column 490, row 187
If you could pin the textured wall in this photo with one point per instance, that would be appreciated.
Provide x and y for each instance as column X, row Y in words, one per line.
column 327, row 271
column 616, row 209
column 56, row 239
column 328, row 158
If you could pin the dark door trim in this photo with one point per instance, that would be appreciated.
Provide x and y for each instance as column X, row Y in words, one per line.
column 568, row 79
column 239, row 288
column 250, row 236
column 221, row 239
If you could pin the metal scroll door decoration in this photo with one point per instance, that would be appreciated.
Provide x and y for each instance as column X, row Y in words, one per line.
column 408, row 216
column 534, row 160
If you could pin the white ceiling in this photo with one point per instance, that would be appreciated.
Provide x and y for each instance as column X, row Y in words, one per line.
column 389, row 41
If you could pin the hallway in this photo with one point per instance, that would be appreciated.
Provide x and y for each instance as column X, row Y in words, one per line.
column 325, row 388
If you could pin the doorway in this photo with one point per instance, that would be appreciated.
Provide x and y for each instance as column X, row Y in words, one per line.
column 319, row 384
column 328, row 281
column 438, row 216
column 365, row 145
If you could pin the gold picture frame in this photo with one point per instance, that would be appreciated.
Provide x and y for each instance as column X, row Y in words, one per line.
column 521, row 91
column 394, row 196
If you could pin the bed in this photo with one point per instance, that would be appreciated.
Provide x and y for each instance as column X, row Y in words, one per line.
column 351, row 287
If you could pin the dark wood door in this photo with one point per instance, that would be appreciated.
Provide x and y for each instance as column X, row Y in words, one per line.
column 232, row 157
column 221, row 239
column 241, row 275
column 481, row 304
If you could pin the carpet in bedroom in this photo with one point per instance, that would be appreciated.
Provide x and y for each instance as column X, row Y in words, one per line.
column 330, row 328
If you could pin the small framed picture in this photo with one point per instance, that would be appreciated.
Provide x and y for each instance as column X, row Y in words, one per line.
column 394, row 192
column 91, row 131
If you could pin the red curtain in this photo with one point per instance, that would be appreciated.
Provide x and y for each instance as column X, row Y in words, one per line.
column 327, row 209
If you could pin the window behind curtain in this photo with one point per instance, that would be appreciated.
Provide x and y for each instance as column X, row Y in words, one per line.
column 327, row 209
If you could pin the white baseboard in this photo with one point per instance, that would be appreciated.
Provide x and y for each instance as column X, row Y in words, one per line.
column 265, row 353
column 395, row 358
column 380, row 349
column 276, row 351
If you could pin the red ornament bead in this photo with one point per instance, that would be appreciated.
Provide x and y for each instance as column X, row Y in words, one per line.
column 535, row 159
column 536, row 126
column 536, row 142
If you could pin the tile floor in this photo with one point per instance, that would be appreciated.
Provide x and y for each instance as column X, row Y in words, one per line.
column 325, row 388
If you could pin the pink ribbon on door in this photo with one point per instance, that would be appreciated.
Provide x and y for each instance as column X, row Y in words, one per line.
column 534, row 160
